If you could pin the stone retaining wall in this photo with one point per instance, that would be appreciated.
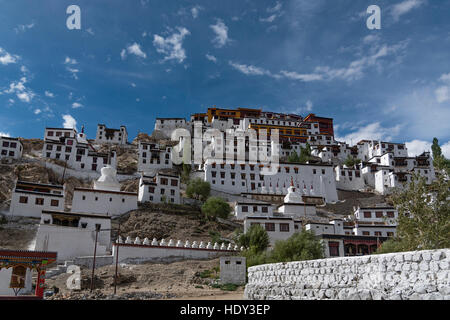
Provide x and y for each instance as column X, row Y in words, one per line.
column 396, row 276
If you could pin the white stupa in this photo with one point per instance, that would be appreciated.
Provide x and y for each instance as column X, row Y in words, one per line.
column 294, row 206
column 108, row 180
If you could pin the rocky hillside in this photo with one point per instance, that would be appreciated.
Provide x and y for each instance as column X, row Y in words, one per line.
column 177, row 222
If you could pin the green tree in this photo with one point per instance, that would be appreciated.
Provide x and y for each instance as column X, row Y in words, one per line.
column 256, row 238
column 423, row 216
column 300, row 246
column 198, row 189
column 351, row 162
column 216, row 207
column 439, row 161
column 305, row 155
column 186, row 172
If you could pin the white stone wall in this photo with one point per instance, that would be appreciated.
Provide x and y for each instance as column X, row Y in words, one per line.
column 416, row 275
column 137, row 250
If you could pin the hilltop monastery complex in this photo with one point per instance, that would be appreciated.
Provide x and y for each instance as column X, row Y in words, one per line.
column 285, row 202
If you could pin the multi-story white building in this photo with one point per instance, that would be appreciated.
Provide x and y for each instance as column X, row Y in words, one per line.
column 73, row 235
column 112, row 136
column 154, row 156
column 73, row 148
column 159, row 188
column 105, row 198
column 377, row 221
column 349, row 178
column 10, row 148
column 168, row 125
column 28, row 199
column 252, row 208
column 235, row 178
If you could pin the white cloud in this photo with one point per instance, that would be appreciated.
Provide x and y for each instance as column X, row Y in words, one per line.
column 211, row 58
column 23, row 69
column 417, row 147
column 76, row 105
column 133, row 85
column 172, row 47
column 90, row 31
column 221, row 31
column 135, row 49
column 69, row 122
column 307, row 108
column 49, row 94
column 25, row 96
column 404, row 7
column 372, row 131
column 4, row 134
column 73, row 71
column 37, row 111
column 18, row 87
column 71, row 62
column 443, row 93
column 6, row 58
column 446, row 149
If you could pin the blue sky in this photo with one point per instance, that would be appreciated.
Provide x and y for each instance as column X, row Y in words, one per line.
column 135, row 60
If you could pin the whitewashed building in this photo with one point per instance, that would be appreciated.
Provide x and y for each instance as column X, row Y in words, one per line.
column 72, row 235
column 252, row 208
column 111, row 136
column 159, row 188
column 317, row 179
column 73, row 148
column 277, row 227
column 10, row 148
column 28, row 199
column 377, row 221
column 349, row 178
column 154, row 156
column 168, row 125
column 105, row 198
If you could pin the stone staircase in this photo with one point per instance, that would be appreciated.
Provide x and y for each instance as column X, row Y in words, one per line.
column 60, row 268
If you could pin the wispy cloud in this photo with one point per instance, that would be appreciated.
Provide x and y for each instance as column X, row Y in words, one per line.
column 70, row 63
column 49, row 94
column 195, row 11
column 372, row 131
column 221, row 31
column 23, row 27
column 4, row 134
column 211, row 58
column 172, row 46
column 274, row 12
column 404, row 7
column 76, row 105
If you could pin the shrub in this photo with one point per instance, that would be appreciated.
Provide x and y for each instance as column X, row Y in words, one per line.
column 256, row 237
column 198, row 189
column 216, row 207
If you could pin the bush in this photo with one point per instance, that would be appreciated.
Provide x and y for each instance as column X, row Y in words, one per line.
column 300, row 246
column 216, row 207
column 198, row 189
column 256, row 238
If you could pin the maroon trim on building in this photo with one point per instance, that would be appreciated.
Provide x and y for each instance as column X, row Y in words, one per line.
column 42, row 255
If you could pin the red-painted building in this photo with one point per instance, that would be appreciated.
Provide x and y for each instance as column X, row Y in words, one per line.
column 325, row 124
